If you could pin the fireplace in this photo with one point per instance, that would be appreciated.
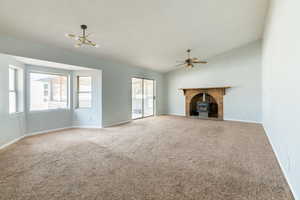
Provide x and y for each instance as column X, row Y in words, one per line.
column 204, row 102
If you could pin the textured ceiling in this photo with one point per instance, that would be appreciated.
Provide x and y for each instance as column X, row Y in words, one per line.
column 151, row 34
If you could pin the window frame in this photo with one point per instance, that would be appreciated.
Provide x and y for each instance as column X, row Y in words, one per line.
column 83, row 92
column 15, row 89
column 47, row 73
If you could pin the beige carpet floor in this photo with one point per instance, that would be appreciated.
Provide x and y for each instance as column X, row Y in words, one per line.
column 165, row 158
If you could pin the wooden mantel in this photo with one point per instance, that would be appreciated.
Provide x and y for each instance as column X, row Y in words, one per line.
column 206, row 88
column 216, row 92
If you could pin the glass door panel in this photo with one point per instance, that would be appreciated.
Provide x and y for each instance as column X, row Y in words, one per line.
column 137, row 98
column 142, row 98
column 148, row 98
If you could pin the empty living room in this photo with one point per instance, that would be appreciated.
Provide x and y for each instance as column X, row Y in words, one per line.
column 149, row 100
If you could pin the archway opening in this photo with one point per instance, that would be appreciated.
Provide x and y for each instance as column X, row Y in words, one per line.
column 204, row 105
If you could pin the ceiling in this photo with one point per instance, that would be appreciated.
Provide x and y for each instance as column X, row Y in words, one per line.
column 146, row 33
column 43, row 63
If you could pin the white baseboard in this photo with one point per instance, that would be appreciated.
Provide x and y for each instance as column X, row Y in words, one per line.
column 12, row 142
column 175, row 114
column 245, row 121
column 42, row 132
column 117, row 123
column 281, row 165
column 226, row 119
column 58, row 129
column 87, row 126
column 31, row 134
column 47, row 131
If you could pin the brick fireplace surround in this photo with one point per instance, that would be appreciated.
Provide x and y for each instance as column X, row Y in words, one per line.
column 216, row 92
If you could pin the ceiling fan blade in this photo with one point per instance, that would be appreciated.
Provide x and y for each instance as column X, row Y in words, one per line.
column 78, row 45
column 180, row 64
column 201, row 62
column 88, row 41
column 92, row 43
column 69, row 35
column 81, row 39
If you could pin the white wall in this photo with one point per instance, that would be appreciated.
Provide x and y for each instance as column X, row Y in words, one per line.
column 12, row 126
column 89, row 117
column 281, row 69
column 38, row 121
column 239, row 68
column 116, row 80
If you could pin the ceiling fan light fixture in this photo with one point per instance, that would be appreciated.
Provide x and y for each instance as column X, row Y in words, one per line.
column 82, row 39
column 189, row 62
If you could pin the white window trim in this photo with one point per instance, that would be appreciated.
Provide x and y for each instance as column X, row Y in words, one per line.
column 18, row 90
column 15, row 90
column 83, row 92
column 68, row 108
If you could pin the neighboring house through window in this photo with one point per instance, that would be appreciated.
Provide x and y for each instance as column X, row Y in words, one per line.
column 48, row 91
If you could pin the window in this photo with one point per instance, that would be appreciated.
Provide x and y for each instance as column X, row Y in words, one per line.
column 84, row 92
column 13, row 108
column 48, row 91
column 16, row 91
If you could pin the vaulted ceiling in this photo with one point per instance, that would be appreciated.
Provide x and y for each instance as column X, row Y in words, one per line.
column 145, row 33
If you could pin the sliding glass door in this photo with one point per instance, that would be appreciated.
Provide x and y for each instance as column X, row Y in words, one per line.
column 137, row 98
column 142, row 98
column 148, row 97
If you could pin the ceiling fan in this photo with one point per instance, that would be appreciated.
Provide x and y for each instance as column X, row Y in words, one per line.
column 189, row 62
column 82, row 39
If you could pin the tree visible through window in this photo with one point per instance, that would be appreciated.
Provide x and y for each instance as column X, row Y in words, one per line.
column 84, row 92
column 48, row 91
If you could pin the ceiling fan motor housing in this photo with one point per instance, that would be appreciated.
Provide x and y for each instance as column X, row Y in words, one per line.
column 83, row 26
